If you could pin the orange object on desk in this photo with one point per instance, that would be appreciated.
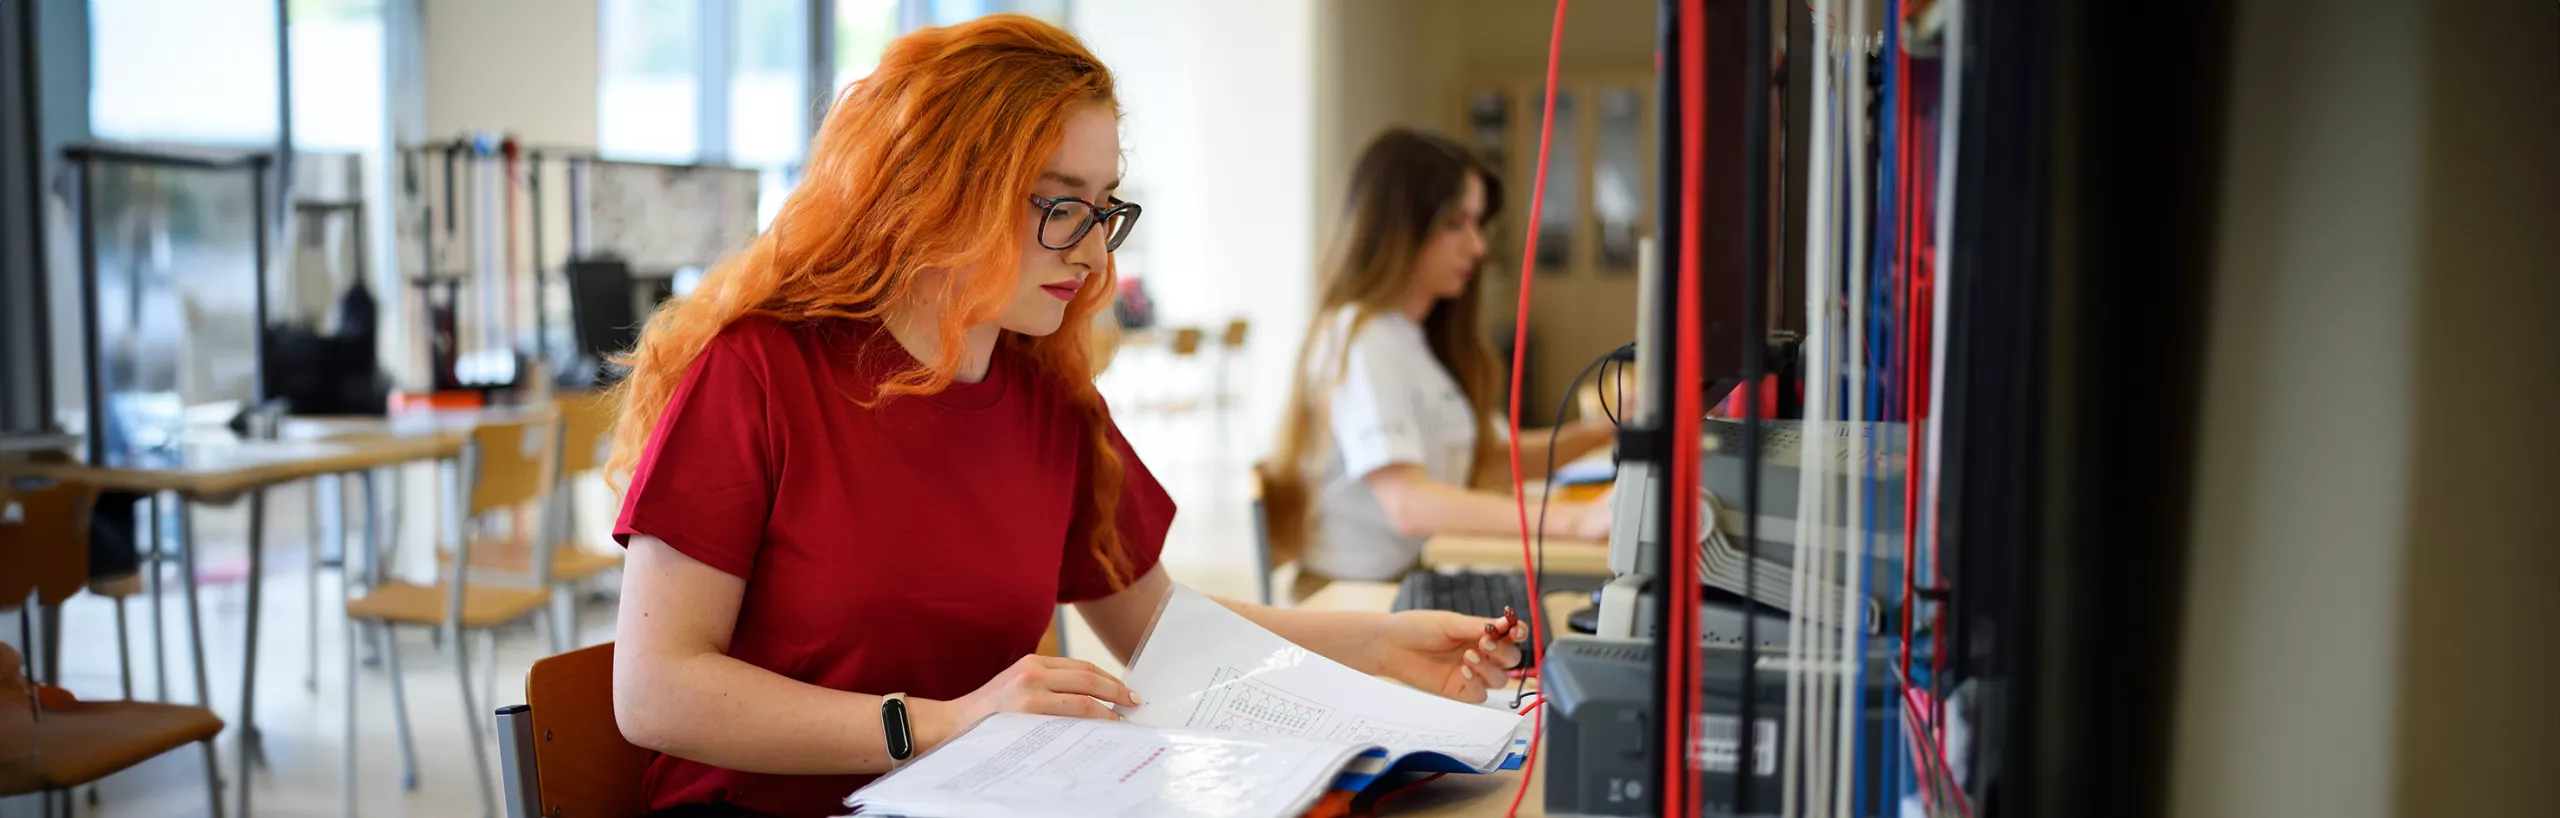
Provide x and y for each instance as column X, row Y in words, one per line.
column 1583, row 492
column 458, row 399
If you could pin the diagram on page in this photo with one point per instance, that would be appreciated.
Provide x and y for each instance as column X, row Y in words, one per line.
column 1209, row 668
column 1235, row 704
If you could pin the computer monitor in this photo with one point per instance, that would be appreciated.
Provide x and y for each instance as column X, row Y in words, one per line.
column 601, row 306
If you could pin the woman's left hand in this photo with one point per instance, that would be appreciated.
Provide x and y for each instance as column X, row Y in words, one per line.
column 1446, row 653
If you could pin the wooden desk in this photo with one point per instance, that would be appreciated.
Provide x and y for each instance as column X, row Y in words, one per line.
column 1563, row 556
column 445, row 431
column 1453, row 795
column 220, row 473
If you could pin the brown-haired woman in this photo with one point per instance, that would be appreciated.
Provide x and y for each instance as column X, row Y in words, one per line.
column 1391, row 416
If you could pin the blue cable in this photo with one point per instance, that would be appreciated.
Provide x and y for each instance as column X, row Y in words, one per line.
column 1879, row 343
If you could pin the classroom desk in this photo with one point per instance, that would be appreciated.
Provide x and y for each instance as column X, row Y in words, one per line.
column 1453, row 795
column 221, row 473
column 446, row 431
column 1563, row 556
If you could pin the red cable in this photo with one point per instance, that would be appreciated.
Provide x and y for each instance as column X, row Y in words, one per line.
column 1380, row 805
column 1679, row 657
column 1519, row 360
column 507, row 268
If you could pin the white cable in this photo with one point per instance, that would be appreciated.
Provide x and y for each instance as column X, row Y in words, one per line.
column 1808, row 510
column 1949, row 116
column 488, row 247
column 1853, row 477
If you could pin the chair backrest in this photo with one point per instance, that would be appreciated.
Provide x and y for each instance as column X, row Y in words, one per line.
column 1233, row 338
column 1054, row 642
column 1186, row 341
column 586, row 767
column 1280, row 509
column 586, row 427
column 44, row 542
column 511, row 463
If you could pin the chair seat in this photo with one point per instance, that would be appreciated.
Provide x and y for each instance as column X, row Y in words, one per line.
column 569, row 563
column 96, row 740
column 483, row 606
column 129, row 585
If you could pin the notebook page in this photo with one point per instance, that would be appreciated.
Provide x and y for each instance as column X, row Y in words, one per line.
column 1209, row 668
column 1014, row 764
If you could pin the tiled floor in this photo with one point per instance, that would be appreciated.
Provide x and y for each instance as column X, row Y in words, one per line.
column 304, row 728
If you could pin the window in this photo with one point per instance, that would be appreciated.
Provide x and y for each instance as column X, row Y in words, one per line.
column 863, row 30
column 649, row 90
column 686, row 81
column 337, row 75
column 194, row 71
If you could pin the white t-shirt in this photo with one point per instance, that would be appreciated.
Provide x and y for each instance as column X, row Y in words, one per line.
column 1392, row 405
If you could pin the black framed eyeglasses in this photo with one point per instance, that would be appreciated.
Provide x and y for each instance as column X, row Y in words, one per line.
column 1064, row 221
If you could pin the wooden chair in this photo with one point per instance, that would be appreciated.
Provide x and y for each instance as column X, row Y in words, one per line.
column 1280, row 535
column 562, row 753
column 44, row 551
column 586, row 423
column 1184, row 353
column 503, row 466
column 561, row 750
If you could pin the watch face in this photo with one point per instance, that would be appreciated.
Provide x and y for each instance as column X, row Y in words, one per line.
column 893, row 722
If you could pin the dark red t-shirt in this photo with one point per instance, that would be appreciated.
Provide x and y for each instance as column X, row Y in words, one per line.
column 918, row 546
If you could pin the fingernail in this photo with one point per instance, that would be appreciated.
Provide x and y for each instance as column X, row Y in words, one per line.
column 1474, row 657
column 1136, row 700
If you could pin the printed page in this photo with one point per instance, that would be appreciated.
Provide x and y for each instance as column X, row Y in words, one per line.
column 1209, row 668
column 1015, row 764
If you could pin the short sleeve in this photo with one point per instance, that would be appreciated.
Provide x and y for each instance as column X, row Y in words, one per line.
column 703, row 485
column 1144, row 514
column 1374, row 415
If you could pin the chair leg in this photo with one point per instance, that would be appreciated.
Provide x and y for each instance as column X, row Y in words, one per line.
column 311, row 590
column 489, row 665
column 564, row 618
column 350, row 785
column 471, row 719
column 49, row 622
column 159, row 583
column 212, row 777
column 124, row 656
column 390, row 651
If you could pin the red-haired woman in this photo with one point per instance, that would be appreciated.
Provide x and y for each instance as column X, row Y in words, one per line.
column 866, row 457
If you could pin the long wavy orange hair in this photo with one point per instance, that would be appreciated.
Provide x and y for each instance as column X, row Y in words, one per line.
column 914, row 196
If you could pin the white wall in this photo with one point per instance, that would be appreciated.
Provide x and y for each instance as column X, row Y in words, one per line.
column 1218, row 102
column 2369, row 604
column 2288, row 676
column 529, row 68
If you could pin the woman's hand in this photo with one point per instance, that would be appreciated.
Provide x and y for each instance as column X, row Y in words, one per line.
column 1581, row 521
column 1450, row 654
column 1043, row 685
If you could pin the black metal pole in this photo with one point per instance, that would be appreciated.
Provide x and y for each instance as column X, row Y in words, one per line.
column 541, row 303
column 579, row 168
column 1755, row 344
column 1652, row 437
column 39, row 295
column 93, row 383
column 258, row 275
column 284, row 113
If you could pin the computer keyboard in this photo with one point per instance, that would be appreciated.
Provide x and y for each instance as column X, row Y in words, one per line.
column 1474, row 593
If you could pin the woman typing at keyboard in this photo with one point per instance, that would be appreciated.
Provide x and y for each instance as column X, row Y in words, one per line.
column 1391, row 418
column 866, row 459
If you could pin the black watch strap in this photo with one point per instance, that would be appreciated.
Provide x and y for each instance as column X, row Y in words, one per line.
column 898, row 728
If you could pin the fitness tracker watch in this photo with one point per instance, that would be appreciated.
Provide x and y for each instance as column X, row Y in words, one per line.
column 898, row 729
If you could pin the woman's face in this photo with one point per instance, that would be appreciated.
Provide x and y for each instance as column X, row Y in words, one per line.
column 1454, row 249
column 1086, row 166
